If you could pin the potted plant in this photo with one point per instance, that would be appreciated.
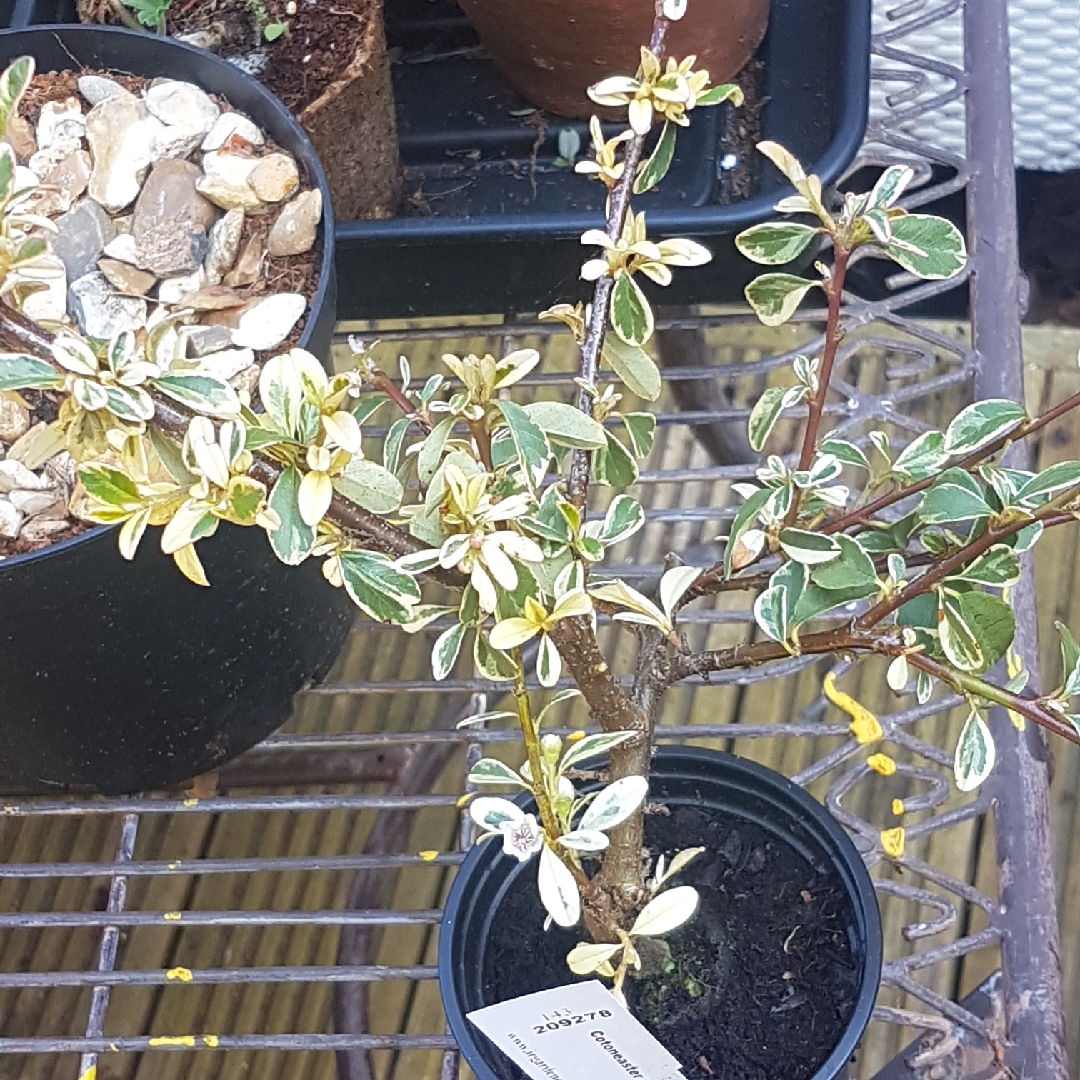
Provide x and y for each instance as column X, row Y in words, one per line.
column 194, row 676
column 852, row 549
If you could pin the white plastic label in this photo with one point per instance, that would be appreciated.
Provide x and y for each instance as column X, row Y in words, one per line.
column 575, row 1031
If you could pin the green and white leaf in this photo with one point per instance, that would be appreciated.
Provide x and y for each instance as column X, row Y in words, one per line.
column 587, row 840
column 674, row 584
column 613, row 464
column 853, row 567
column 975, row 753
column 587, row 958
column 1070, row 660
column 200, row 393
column 558, row 890
column 998, row 567
column 19, row 372
column 293, row 540
column 641, row 427
column 370, row 486
column 378, row 587
column 564, row 425
column 775, row 297
column 928, row 247
column 845, row 451
column 548, row 662
column 898, row 674
column 955, row 496
column 808, row 547
column 592, row 746
column 492, row 771
column 444, row 652
column 624, row 517
column 491, row 812
column 922, row 457
column 431, row 450
column 982, row 423
column 631, row 315
column 744, row 520
column 615, row 803
column 666, row 912
column 533, row 449
column 655, row 169
column 634, row 366
column 775, row 242
column 1059, row 477
column 890, row 186
column 281, row 393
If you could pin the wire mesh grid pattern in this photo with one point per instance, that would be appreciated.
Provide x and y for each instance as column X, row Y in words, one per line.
column 264, row 928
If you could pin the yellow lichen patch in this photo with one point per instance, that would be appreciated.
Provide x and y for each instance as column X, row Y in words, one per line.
column 864, row 724
column 892, row 842
column 898, row 807
column 882, row 763
column 428, row 856
column 173, row 1040
column 179, row 974
column 211, row 1041
column 171, row 916
column 466, row 799
column 575, row 736
column 191, row 802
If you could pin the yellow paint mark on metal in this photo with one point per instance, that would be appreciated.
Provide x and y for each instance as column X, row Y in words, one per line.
column 466, row 799
column 175, row 865
column 173, row 1040
column 11, row 809
column 882, row 763
column 429, row 855
column 172, row 916
column 892, row 842
column 179, row 974
column 191, row 802
column 575, row 736
column 898, row 807
column 90, row 1074
column 114, row 1048
column 211, row 1041
column 864, row 724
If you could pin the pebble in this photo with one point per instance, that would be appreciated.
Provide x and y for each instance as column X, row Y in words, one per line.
column 297, row 225
column 32, row 503
column 48, row 304
column 249, row 264
column 228, row 363
column 10, row 519
column 125, row 278
column 229, row 124
column 215, row 298
column 274, row 178
column 44, row 161
column 206, row 340
column 225, row 180
column 224, row 246
column 15, row 476
column 97, row 88
column 81, row 236
column 268, row 323
column 60, row 120
column 14, row 418
column 100, row 310
column 183, row 105
column 174, row 289
column 72, row 175
column 120, row 131
column 44, row 527
column 171, row 220
column 21, row 136
column 122, row 247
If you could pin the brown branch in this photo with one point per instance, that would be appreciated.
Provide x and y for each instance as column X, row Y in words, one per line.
column 384, row 384
column 972, row 461
column 618, row 207
column 834, row 334
column 1049, row 515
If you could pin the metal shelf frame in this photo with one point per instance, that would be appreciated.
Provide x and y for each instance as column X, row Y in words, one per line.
column 1023, row 1031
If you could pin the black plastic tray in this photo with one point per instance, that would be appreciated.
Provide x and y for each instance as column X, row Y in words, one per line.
column 493, row 225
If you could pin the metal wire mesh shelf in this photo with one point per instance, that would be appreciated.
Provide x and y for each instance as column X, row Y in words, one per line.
column 289, row 917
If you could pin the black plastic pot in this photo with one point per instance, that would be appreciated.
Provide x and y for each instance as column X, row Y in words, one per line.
column 682, row 776
column 477, row 235
column 126, row 676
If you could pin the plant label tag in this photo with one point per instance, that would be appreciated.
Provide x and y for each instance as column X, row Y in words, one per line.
column 575, row 1031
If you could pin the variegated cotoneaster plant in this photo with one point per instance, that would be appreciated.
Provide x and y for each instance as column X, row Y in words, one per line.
column 852, row 547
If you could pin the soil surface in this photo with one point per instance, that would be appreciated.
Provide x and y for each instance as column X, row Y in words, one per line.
column 300, row 64
column 761, row 982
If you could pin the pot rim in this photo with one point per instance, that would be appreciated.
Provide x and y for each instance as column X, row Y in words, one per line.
column 855, row 877
column 326, row 288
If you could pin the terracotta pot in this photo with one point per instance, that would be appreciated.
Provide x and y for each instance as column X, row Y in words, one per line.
column 551, row 51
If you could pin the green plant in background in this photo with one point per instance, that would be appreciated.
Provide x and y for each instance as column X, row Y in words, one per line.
column 855, row 548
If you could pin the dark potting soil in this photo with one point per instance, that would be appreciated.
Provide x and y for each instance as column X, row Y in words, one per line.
column 760, row 983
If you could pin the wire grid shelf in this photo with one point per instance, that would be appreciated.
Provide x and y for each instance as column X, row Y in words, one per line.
column 289, row 918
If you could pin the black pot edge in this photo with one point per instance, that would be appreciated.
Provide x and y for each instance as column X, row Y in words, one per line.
column 853, row 871
column 319, row 328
